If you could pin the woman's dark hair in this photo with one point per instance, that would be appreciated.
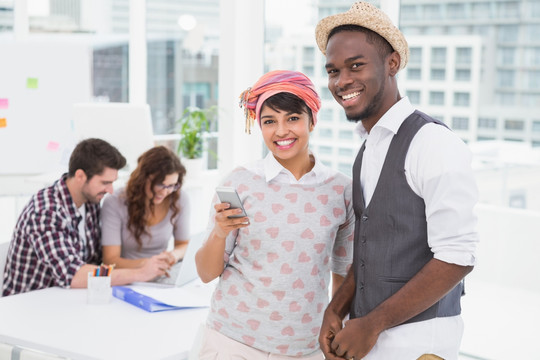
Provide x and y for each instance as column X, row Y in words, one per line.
column 153, row 165
column 383, row 46
column 92, row 156
column 289, row 102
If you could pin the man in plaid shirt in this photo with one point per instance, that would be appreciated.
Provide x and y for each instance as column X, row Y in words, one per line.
column 56, row 241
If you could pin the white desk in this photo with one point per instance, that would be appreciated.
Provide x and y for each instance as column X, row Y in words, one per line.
column 59, row 321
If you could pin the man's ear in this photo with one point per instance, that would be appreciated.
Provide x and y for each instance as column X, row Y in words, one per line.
column 393, row 61
column 80, row 176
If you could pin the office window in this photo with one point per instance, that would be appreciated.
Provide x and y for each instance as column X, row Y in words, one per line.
column 325, row 150
column 536, row 126
column 508, row 9
column 460, row 123
column 325, row 94
column 513, row 139
column 343, row 117
column 482, row 30
column 462, row 75
column 438, row 74
column 461, row 99
column 438, row 55
column 109, row 73
column 518, row 200
column 535, row 143
column 485, row 138
column 412, row 31
column 463, row 55
column 532, row 56
column 345, row 135
column 6, row 16
column 414, row 96
column 346, row 152
column 408, row 12
column 515, row 125
column 504, row 98
column 481, row 10
column 432, row 11
column 508, row 33
column 459, row 30
column 506, row 78
column 436, row 97
column 531, row 32
column 325, row 133
column 308, row 53
column 434, row 30
column 308, row 70
column 345, row 168
column 530, row 100
column 533, row 79
column 506, row 55
column 324, row 72
column 415, row 55
column 487, row 123
column 456, row 11
column 533, row 9
column 325, row 115
column 414, row 74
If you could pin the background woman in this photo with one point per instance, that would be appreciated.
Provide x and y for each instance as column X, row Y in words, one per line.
column 139, row 221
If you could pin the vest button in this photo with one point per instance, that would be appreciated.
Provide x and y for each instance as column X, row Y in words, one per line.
column 364, row 217
column 364, row 239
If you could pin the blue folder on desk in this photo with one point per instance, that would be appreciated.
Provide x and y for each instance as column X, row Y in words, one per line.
column 152, row 304
column 144, row 302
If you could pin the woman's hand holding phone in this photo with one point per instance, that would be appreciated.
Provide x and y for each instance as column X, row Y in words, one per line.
column 230, row 214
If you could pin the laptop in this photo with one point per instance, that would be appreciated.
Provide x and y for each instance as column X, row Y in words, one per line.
column 184, row 271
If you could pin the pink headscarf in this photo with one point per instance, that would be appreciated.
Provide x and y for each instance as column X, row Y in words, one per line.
column 275, row 82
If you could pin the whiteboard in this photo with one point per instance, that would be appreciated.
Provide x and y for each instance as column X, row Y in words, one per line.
column 40, row 80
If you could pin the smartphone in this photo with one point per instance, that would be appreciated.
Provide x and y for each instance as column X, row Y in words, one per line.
column 229, row 195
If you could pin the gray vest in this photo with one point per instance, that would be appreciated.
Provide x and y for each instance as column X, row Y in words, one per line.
column 390, row 235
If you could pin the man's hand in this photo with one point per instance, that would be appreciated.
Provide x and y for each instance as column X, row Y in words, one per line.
column 331, row 325
column 355, row 340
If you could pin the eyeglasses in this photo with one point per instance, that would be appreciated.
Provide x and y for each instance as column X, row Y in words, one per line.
column 172, row 187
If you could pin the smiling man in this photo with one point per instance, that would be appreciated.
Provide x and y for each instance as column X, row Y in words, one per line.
column 56, row 240
column 413, row 196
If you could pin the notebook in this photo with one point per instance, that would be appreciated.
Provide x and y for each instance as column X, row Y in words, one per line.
column 183, row 271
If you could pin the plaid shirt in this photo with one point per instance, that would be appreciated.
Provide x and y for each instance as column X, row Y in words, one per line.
column 46, row 249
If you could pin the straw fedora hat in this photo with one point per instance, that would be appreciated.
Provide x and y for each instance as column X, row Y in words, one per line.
column 368, row 16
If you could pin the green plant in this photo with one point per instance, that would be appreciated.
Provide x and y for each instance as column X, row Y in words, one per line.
column 192, row 126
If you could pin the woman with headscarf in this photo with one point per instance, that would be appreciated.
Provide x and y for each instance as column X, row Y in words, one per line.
column 274, row 265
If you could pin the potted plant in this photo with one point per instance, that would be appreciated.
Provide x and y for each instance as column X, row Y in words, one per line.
column 192, row 126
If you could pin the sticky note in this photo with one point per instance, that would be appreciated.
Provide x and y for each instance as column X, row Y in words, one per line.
column 4, row 103
column 3, row 122
column 52, row 146
column 32, row 83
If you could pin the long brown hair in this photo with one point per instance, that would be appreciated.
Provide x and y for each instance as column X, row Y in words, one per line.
column 154, row 165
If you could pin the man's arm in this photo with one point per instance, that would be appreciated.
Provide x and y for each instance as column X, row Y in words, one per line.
column 427, row 287
column 147, row 272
